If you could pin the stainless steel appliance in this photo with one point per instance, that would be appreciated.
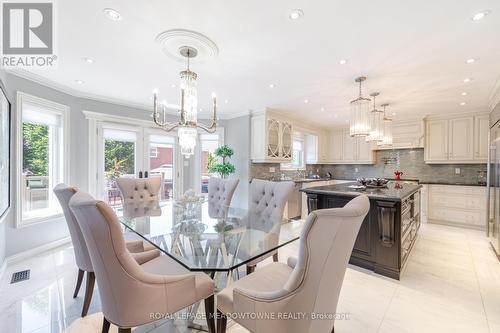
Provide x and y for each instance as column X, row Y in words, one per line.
column 493, row 183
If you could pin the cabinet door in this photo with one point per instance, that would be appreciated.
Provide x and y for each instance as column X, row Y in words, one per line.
column 461, row 140
column 312, row 145
column 336, row 146
column 365, row 152
column 273, row 138
column 286, row 141
column 436, row 140
column 323, row 147
column 481, row 129
column 349, row 147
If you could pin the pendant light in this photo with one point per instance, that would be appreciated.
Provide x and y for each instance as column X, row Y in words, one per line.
column 360, row 107
column 387, row 130
column 376, row 122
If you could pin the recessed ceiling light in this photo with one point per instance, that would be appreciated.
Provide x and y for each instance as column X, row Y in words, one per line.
column 464, row 93
column 481, row 15
column 112, row 14
column 471, row 60
column 343, row 61
column 296, row 14
column 306, row 101
column 80, row 81
column 88, row 60
column 467, row 80
column 201, row 109
column 463, row 103
column 336, row 115
column 226, row 101
column 393, row 114
column 271, row 85
column 347, row 120
column 322, row 109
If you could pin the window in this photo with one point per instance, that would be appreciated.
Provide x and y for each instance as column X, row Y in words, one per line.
column 41, row 157
column 208, row 143
column 297, row 161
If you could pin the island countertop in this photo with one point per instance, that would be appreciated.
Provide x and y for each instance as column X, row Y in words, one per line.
column 395, row 191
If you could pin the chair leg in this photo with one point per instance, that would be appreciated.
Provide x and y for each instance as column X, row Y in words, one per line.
column 88, row 292
column 250, row 269
column 105, row 325
column 209, row 313
column 275, row 257
column 78, row 282
column 221, row 322
column 124, row 330
column 333, row 329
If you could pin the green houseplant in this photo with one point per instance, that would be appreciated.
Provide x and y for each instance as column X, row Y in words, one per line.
column 225, row 168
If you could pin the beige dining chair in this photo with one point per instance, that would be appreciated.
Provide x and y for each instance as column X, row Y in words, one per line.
column 309, row 284
column 139, row 190
column 220, row 194
column 139, row 250
column 134, row 295
column 267, row 204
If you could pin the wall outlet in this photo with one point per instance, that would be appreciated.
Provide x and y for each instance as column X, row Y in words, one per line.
column 356, row 170
column 457, row 171
column 272, row 169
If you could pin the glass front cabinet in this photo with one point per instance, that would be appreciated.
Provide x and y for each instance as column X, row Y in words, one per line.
column 271, row 138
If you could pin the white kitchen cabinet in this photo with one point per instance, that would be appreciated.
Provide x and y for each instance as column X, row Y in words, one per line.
column 271, row 138
column 436, row 140
column 481, row 129
column 463, row 206
column 345, row 149
column 407, row 135
column 457, row 139
column 460, row 139
column 323, row 148
column 312, row 145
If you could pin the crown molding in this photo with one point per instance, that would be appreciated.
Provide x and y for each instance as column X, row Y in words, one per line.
column 24, row 74
column 494, row 99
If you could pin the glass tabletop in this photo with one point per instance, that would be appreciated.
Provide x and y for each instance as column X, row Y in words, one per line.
column 207, row 237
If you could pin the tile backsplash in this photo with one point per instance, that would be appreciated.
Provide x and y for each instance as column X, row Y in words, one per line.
column 409, row 161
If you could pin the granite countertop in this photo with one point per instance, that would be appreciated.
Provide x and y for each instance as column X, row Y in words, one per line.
column 394, row 191
column 437, row 182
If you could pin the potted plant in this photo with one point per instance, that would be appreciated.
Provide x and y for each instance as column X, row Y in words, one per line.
column 225, row 168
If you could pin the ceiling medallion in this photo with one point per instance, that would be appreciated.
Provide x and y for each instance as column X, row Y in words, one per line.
column 175, row 40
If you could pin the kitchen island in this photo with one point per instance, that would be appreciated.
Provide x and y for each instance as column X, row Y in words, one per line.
column 389, row 230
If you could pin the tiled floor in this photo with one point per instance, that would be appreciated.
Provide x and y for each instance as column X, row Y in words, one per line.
column 451, row 284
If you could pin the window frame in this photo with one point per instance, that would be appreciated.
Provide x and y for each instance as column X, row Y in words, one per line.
column 289, row 166
column 63, row 165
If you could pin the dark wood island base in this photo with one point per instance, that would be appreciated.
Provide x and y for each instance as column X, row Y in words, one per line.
column 389, row 230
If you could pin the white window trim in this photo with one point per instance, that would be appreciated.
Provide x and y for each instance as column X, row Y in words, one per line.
column 287, row 166
column 61, row 110
column 197, row 157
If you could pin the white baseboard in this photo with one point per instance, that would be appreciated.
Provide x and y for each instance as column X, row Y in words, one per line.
column 36, row 251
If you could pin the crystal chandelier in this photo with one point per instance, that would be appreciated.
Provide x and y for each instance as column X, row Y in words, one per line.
column 376, row 118
column 359, row 123
column 387, row 130
column 187, row 127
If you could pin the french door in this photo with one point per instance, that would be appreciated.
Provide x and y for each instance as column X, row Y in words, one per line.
column 132, row 151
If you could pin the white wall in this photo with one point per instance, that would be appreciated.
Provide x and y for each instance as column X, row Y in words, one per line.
column 237, row 136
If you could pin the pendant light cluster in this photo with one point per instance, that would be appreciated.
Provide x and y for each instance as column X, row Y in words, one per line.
column 370, row 123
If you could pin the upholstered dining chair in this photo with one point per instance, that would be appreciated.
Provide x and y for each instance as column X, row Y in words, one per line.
column 267, row 204
column 139, row 190
column 308, row 284
column 141, row 252
column 134, row 295
column 220, row 194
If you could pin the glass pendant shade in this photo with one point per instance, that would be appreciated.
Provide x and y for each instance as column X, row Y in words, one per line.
column 360, row 107
column 376, row 122
column 387, row 131
column 188, row 85
column 187, row 140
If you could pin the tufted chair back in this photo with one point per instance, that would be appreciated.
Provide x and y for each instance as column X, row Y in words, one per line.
column 64, row 193
column 139, row 190
column 267, row 202
column 220, row 194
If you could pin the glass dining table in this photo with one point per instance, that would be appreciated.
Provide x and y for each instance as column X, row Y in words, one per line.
column 208, row 238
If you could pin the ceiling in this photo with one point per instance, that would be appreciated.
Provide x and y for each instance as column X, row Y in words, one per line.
column 413, row 52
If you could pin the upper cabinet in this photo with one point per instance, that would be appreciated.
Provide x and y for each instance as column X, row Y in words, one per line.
column 345, row 149
column 271, row 138
column 459, row 139
column 407, row 134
